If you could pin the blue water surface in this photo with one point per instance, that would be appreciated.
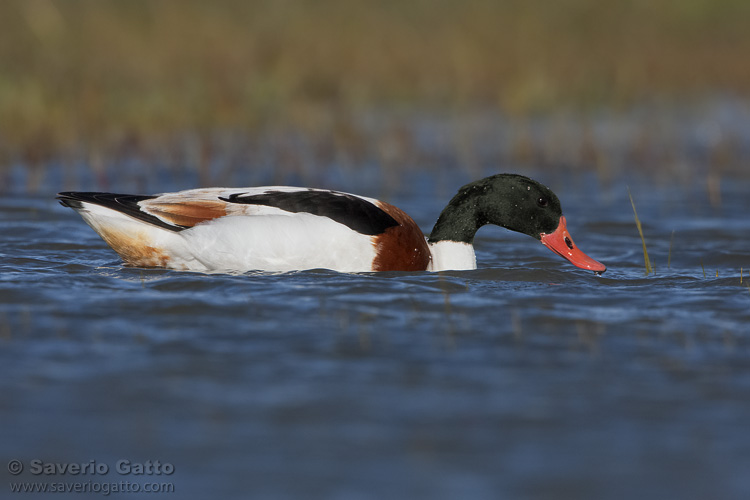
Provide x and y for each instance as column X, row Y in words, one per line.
column 526, row 378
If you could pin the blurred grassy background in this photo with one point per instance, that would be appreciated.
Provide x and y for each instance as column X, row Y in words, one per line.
column 94, row 80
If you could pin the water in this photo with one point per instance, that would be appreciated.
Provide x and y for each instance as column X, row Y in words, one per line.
column 526, row 378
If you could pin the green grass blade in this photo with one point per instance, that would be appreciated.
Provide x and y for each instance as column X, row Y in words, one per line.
column 649, row 268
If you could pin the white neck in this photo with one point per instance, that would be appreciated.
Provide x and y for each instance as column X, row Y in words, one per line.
column 452, row 255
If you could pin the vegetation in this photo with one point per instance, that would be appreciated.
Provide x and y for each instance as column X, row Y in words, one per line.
column 647, row 261
column 103, row 77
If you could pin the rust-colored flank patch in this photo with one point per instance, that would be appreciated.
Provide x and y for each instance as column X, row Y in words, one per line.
column 402, row 247
column 189, row 213
column 135, row 249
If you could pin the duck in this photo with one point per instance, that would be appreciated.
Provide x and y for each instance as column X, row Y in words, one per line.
column 284, row 229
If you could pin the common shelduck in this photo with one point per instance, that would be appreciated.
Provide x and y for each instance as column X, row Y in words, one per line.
column 285, row 228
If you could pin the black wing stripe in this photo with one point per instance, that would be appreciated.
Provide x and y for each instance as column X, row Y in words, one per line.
column 124, row 203
column 351, row 211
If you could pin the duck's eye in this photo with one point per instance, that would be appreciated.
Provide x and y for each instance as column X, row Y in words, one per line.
column 542, row 201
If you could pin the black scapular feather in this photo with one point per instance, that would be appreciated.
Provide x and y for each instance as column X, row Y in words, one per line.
column 351, row 211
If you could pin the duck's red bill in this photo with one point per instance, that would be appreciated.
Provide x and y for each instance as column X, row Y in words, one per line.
column 562, row 244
